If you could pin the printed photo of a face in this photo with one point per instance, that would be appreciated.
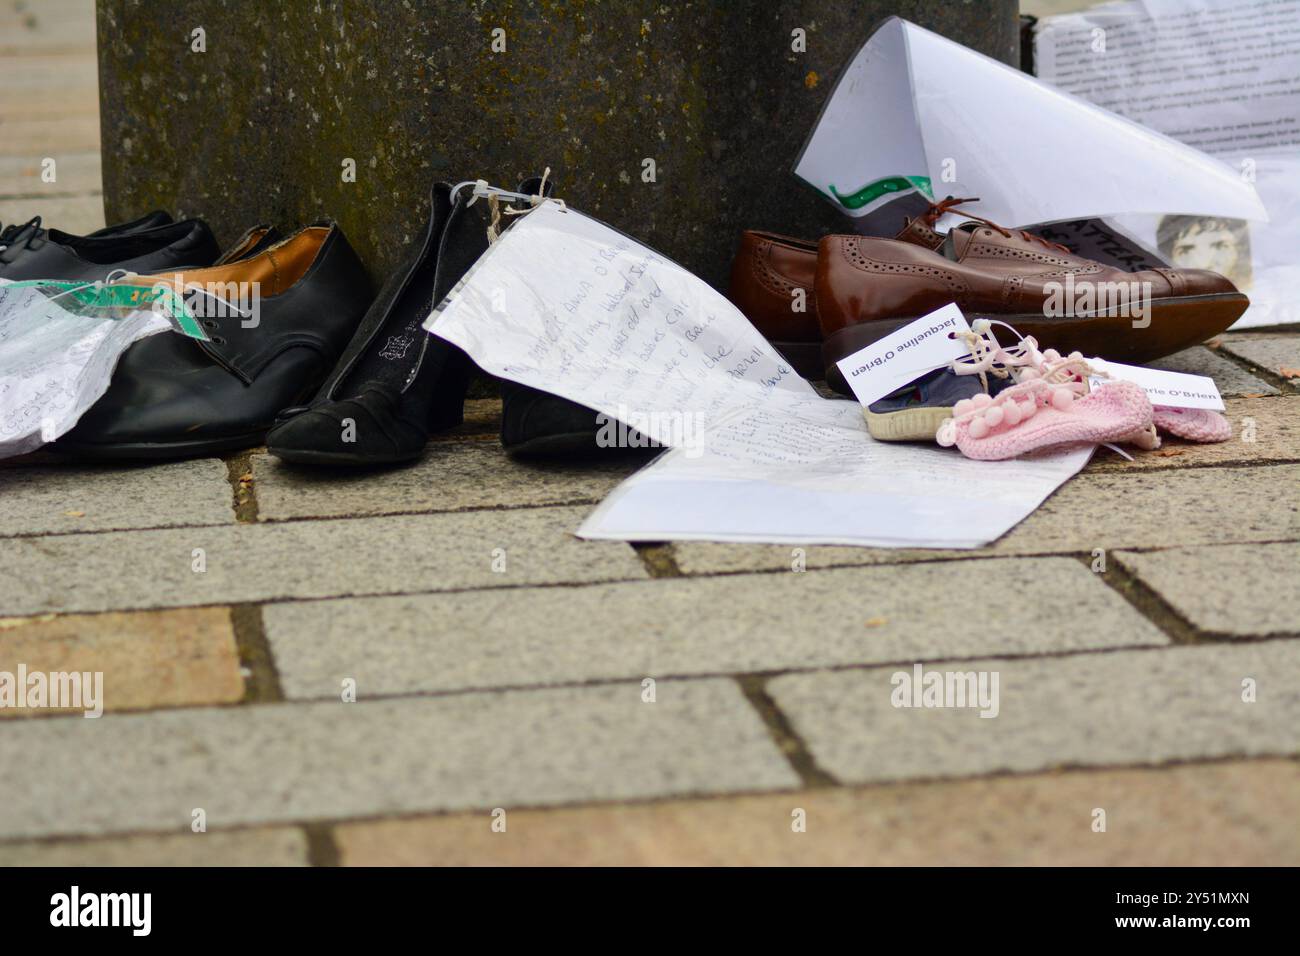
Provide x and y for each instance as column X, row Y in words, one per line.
column 1198, row 242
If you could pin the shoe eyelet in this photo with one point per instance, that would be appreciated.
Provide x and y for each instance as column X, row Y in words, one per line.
column 218, row 340
column 209, row 323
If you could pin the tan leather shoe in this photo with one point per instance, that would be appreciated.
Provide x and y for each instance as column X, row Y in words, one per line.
column 866, row 288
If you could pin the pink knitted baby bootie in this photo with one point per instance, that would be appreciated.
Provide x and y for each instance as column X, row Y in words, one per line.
column 1194, row 424
column 1037, row 414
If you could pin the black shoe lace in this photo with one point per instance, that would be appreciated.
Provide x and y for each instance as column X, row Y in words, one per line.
column 15, row 233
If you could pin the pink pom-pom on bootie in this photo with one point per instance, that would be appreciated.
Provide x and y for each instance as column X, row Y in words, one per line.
column 1035, row 415
column 1194, row 424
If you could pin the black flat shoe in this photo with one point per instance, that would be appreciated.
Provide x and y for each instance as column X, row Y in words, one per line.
column 176, row 397
column 396, row 384
column 31, row 252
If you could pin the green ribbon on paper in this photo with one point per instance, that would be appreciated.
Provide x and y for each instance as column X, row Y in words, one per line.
column 871, row 192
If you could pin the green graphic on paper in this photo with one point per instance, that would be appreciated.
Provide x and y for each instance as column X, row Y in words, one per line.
column 116, row 301
column 890, row 186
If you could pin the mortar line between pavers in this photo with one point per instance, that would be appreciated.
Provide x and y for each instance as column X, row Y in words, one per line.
column 243, row 493
column 1146, row 601
column 322, row 847
column 12, row 197
column 659, row 558
column 1284, row 385
column 407, row 816
column 262, row 685
column 788, row 741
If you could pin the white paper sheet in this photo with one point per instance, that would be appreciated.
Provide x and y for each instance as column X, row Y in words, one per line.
column 567, row 305
column 912, row 103
column 1220, row 75
column 783, row 479
column 55, row 364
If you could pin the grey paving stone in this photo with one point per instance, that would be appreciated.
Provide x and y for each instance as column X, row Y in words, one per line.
column 1273, row 352
column 1133, row 509
column 452, row 476
column 1115, row 708
column 277, row 763
column 1228, row 376
column 1242, row 590
column 663, row 628
column 120, row 570
column 53, row 500
column 264, row 846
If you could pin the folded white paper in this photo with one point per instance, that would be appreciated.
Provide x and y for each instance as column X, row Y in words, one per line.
column 567, row 305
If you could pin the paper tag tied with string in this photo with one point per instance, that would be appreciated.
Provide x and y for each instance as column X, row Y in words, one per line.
column 906, row 354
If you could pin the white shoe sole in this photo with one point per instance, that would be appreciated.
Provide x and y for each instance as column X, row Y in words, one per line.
column 907, row 424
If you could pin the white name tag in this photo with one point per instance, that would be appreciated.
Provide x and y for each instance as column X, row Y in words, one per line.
column 1171, row 389
column 905, row 355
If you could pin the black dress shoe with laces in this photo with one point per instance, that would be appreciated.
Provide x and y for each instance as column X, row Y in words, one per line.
column 16, row 239
column 172, row 396
column 30, row 252
column 396, row 384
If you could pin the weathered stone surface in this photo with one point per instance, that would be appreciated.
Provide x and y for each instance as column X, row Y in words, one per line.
column 264, row 846
column 155, row 659
column 1120, row 707
column 1243, row 590
column 1231, row 378
column 412, row 91
column 1243, row 814
column 1272, row 352
column 1135, row 509
column 304, row 559
column 287, row 762
column 452, row 476
column 724, row 625
column 55, row 500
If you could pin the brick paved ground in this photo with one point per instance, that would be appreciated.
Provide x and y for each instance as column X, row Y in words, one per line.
column 522, row 691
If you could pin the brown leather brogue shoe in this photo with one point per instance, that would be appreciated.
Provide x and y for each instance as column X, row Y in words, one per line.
column 866, row 288
column 772, row 284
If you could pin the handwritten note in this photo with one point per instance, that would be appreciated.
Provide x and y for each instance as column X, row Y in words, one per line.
column 568, row 305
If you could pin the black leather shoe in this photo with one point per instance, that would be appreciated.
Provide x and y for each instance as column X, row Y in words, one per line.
column 175, row 397
column 396, row 384
column 34, row 253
